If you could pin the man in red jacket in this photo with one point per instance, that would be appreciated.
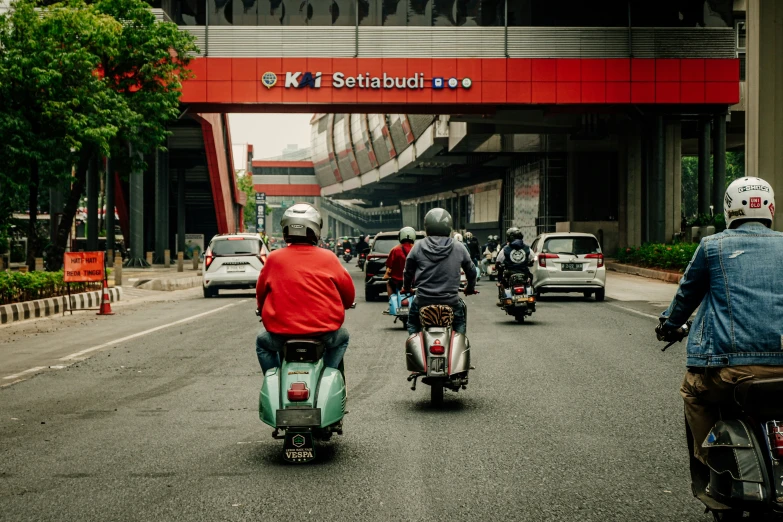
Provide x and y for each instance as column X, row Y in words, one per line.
column 395, row 263
column 303, row 291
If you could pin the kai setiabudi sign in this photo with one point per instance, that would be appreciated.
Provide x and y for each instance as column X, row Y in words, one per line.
column 301, row 80
column 339, row 80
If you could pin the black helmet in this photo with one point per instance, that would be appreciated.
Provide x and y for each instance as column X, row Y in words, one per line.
column 513, row 233
column 438, row 222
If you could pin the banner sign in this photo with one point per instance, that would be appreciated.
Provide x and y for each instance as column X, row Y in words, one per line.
column 81, row 267
column 260, row 211
column 194, row 244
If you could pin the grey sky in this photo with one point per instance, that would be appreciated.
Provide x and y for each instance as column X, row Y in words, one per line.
column 268, row 133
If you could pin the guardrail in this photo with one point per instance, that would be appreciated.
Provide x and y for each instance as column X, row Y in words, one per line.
column 367, row 221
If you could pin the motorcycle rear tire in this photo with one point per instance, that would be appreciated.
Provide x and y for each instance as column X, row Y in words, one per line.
column 436, row 394
column 729, row 516
column 520, row 318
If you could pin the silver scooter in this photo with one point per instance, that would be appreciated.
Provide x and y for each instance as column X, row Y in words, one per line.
column 438, row 354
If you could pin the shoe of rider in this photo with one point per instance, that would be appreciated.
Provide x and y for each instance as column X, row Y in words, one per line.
column 433, row 267
column 735, row 279
column 395, row 263
column 303, row 291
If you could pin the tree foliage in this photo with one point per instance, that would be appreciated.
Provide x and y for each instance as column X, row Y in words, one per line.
column 80, row 81
column 735, row 168
column 245, row 184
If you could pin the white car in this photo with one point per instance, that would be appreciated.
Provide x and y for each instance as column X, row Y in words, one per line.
column 233, row 261
column 568, row 262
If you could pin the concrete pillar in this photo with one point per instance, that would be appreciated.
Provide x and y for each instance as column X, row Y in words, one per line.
column 39, row 264
column 764, row 101
column 92, row 204
column 181, row 210
column 704, row 166
column 630, row 189
column 161, row 206
column 180, row 261
column 656, row 209
column 118, row 271
column 136, row 257
column 110, row 204
column 673, row 177
column 718, row 161
column 167, row 258
column 149, row 257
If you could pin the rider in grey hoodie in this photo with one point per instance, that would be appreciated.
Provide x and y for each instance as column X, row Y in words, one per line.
column 433, row 268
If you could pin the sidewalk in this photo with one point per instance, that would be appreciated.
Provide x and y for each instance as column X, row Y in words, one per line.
column 160, row 278
column 639, row 294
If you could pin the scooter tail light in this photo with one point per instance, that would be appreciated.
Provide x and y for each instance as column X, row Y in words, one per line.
column 519, row 290
column 543, row 257
column 599, row 257
column 437, row 349
column 775, row 433
column 404, row 302
column 298, row 392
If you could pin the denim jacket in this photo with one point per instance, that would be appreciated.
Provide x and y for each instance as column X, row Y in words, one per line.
column 737, row 278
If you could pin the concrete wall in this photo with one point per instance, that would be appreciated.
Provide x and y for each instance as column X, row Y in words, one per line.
column 764, row 84
column 607, row 232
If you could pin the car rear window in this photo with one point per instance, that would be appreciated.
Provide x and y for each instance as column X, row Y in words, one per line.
column 383, row 245
column 571, row 245
column 234, row 247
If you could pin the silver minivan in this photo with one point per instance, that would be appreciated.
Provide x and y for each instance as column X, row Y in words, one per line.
column 568, row 262
column 233, row 261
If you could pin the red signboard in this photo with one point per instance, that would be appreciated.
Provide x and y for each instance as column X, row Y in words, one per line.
column 81, row 267
column 457, row 81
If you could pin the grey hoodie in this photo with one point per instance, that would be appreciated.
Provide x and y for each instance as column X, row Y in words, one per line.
column 432, row 267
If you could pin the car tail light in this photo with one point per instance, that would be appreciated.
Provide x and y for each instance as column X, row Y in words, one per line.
column 437, row 348
column 543, row 257
column 519, row 290
column 370, row 275
column 208, row 260
column 298, row 392
column 235, row 238
column 262, row 257
column 404, row 302
column 347, row 250
column 599, row 257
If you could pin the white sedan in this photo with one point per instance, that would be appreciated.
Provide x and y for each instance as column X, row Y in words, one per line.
column 568, row 262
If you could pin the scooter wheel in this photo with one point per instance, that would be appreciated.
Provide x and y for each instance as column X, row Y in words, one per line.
column 520, row 318
column 436, row 394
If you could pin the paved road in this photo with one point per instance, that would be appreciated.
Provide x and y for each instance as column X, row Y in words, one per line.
column 572, row 416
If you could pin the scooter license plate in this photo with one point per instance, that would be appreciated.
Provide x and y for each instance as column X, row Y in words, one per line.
column 402, row 311
column 298, row 447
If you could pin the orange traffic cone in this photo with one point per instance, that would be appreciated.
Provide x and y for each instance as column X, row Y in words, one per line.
column 105, row 303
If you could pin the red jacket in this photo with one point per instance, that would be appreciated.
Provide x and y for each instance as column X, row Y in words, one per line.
column 396, row 260
column 303, row 290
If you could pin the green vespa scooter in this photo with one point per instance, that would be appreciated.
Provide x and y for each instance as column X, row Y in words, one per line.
column 303, row 400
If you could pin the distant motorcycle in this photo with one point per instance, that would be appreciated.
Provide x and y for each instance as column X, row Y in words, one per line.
column 347, row 255
column 362, row 259
column 399, row 306
column 439, row 355
column 303, row 400
column 518, row 300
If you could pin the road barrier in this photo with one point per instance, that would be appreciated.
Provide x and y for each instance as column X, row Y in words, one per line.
column 12, row 313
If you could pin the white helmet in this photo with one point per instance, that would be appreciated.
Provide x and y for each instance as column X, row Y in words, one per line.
column 301, row 222
column 457, row 237
column 749, row 199
column 407, row 234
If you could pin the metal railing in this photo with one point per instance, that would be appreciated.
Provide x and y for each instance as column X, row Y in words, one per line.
column 464, row 42
column 367, row 221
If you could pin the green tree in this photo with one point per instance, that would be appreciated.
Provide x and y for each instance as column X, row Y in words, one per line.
column 54, row 104
column 245, row 184
column 735, row 168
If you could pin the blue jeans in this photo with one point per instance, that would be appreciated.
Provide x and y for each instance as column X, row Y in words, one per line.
column 269, row 346
column 460, row 324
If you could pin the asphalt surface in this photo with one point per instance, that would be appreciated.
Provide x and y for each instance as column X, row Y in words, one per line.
column 574, row 415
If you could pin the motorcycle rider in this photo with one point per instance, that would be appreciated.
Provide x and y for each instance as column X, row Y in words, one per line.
column 347, row 245
column 512, row 259
column 395, row 263
column 434, row 264
column 362, row 245
column 473, row 247
column 303, row 291
column 734, row 279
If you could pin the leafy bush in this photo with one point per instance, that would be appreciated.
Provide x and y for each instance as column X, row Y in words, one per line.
column 657, row 255
column 16, row 287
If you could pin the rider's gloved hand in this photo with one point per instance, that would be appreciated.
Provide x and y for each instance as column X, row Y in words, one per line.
column 667, row 333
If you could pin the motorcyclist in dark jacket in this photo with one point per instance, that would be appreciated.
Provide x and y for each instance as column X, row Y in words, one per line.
column 513, row 259
column 362, row 245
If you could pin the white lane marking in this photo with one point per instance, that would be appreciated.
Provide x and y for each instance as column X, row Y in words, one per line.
column 146, row 332
column 634, row 311
column 31, row 370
